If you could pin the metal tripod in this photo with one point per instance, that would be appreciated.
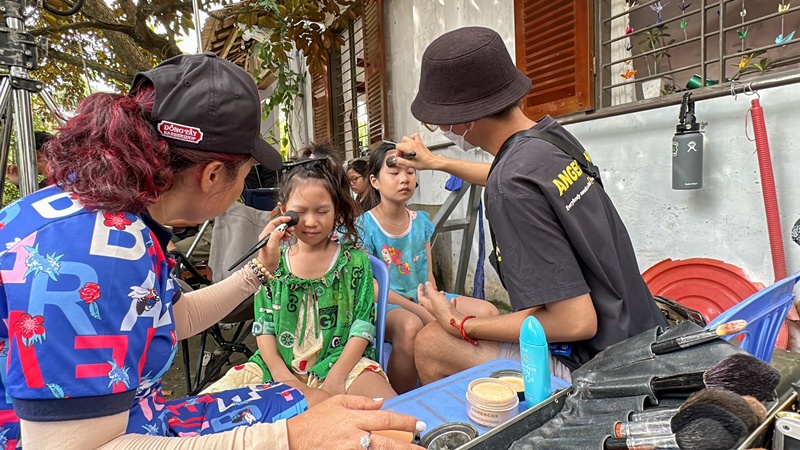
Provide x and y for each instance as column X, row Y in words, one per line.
column 19, row 53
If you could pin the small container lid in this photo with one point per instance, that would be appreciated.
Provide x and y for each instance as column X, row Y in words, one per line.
column 492, row 393
column 449, row 436
column 506, row 373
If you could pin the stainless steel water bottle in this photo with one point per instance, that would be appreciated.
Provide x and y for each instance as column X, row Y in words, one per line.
column 687, row 149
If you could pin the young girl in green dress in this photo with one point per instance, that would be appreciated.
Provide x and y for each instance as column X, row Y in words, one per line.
column 315, row 320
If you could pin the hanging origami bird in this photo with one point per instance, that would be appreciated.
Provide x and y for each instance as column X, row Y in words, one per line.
column 742, row 33
column 781, row 39
column 684, row 6
column 684, row 24
column 629, row 47
column 744, row 62
column 658, row 7
column 783, row 8
column 629, row 29
column 628, row 74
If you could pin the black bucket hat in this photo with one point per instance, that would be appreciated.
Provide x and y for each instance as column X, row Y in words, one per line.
column 209, row 104
column 467, row 74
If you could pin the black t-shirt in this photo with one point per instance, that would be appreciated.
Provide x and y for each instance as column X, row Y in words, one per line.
column 559, row 236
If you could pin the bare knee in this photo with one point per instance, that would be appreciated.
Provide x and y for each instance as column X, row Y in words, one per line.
column 408, row 331
column 428, row 341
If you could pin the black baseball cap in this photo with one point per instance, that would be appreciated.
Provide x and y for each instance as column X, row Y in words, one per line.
column 210, row 104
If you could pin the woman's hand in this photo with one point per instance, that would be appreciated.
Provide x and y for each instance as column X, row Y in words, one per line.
column 270, row 254
column 439, row 306
column 424, row 159
column 344, row 420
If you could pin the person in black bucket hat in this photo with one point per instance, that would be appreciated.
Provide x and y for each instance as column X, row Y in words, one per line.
column 92, row 315
column 560, row 247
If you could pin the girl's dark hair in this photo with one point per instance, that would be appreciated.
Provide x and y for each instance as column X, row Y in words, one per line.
column 332, row 175
column 359, row 166
column 110, row 155
column 377, row 161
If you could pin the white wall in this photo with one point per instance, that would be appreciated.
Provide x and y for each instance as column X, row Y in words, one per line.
column 725, row 220
column 410, row 25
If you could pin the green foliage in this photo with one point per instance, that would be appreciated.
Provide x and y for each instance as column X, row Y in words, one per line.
column 311, row 26
column 655, row 39
column 749, row 64
column 10, row 193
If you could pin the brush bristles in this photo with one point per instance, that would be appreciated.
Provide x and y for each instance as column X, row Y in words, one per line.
column 707, row 427
column 758, row 408
column 732, row 327
column 744, row 375
column 706, row 434
column 729, row 401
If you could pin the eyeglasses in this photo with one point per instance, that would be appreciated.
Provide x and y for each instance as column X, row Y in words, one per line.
column 354, row 180
column 431, row 128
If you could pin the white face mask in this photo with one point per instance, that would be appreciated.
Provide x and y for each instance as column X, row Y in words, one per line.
column 458, row 139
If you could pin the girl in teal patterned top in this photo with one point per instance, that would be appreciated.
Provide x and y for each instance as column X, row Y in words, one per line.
column 316, row 320
column 401, row 238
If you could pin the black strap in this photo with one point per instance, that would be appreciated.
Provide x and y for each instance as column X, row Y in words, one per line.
column 573, row 150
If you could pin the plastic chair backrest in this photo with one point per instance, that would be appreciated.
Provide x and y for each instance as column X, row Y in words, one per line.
column 381, row 274
column 765, row 311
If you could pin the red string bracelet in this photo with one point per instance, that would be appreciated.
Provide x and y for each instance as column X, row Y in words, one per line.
column 460, row 328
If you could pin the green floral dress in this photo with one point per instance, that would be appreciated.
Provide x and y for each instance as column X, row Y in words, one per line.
column 312, row 319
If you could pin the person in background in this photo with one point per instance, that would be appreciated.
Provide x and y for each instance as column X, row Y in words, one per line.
column 402, row 239
column 357, row 173
column 562, row 250
column 91, row 314
column 40, row 138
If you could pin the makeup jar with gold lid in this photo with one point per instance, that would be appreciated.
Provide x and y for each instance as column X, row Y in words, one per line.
column 512, row 377
column 491, row 402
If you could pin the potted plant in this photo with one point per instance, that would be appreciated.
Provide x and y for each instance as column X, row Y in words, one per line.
column 654, row 40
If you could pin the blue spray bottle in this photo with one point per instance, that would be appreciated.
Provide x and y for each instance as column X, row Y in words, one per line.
column 535, row 356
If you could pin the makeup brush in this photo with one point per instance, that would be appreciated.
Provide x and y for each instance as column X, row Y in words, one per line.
column 712, row 395
column 740, row 373
column 699, row 420
column 293, row 220
column 392, row 160
column 727, row 400
column 700, row 337
column 700, row 427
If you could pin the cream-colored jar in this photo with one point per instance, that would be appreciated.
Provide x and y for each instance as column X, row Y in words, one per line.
column 491, row 402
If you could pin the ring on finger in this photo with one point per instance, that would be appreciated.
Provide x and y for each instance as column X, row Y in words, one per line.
column 365, row 441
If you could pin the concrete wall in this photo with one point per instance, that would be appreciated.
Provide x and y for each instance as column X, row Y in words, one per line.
column 725, row 220
column 411, row 25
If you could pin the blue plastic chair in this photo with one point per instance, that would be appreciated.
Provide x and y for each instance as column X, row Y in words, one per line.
column 765, row 311
column 381, row 274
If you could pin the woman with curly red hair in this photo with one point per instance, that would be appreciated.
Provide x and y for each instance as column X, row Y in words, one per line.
column 91, row 315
